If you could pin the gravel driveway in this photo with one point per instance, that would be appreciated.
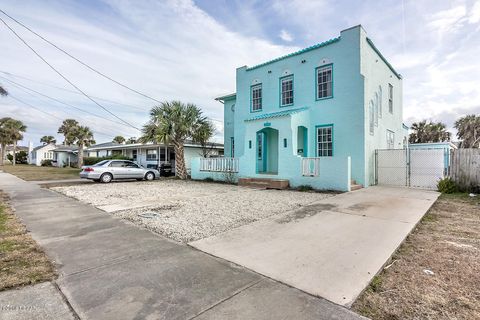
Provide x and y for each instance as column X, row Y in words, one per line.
column 188, row 210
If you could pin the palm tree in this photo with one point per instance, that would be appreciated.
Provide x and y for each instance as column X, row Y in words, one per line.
column 83, row 137
column 47, row 140
column 468, row 130
column 131, row 140
column 203, row 134
column 174, row 122
column 11, row 131
column 119, row 139
column 424, row 132
column 68, row 128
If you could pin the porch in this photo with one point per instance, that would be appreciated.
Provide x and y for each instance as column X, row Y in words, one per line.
column 322, row 173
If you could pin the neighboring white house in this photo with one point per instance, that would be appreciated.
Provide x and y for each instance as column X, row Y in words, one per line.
column 61, row 155
column 40, row 153
column 152, row 155
column 65, row 156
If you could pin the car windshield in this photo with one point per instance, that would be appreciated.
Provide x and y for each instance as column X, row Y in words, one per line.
column 101, row 163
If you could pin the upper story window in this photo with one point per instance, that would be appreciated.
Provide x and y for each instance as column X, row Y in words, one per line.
column 286, row 91
column 380, row 111
column 325, row 141
column 390, row 98
column 324, row 82
column 256, row 97
column 376, row 110
column 390, row 139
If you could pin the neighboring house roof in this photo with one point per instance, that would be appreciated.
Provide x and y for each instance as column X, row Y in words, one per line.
column 110, row 146
column 316, row 46
column 434, row 145
column 63, row 148
column 227, row 97
column 277, row 114
column 105, row 144
column 18, row 148
column 40, row 147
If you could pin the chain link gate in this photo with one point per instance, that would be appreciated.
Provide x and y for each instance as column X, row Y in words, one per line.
column 411, row 167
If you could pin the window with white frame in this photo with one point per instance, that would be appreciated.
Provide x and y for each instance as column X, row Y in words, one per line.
column 380, row 102
column 376, row 109
column 286, row 93
column 324, row 82
column 257, row 97
column 390, row 139
column 390, row 98
column 325, row 141
column 371, row 118
column 151, row 154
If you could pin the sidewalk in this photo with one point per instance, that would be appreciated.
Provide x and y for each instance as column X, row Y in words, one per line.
column 110, row 269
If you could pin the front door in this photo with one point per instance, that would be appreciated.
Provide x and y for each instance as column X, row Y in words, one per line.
column 261, row 152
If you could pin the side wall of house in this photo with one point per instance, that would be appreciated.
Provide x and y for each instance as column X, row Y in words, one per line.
column 228, row 125
column 377, row 78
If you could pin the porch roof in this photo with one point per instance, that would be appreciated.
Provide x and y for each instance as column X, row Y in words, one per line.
column 277, row 114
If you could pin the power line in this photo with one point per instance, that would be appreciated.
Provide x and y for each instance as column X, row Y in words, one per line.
column 71, row 91
column 80, row 61
column 23, row 87
column 84, row 63
column 65, row 78
column 51, row 114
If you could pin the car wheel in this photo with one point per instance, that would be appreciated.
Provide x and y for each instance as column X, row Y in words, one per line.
column 106, row 178
column 149, row 176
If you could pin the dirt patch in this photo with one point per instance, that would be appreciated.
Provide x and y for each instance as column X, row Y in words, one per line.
column 436, row 273
column 22, row 261
column 305, row 212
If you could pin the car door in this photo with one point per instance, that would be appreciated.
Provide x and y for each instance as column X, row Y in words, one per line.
column 118, row 169
column 134, row 170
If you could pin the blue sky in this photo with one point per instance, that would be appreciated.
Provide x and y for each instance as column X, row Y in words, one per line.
column 189, row 50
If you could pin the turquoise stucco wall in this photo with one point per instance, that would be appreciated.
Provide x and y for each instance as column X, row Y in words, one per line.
column 358, row 72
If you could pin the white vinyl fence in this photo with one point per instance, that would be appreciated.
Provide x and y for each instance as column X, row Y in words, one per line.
column 219, row 164
column 310, row 167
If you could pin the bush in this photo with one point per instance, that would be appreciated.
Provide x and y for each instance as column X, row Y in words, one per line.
column 88, row 161
column 305, row 188
column 447, row 185
column 47, row 163
column 20, row 157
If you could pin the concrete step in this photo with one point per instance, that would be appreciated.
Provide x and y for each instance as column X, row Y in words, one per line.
column 263, row 183
column 354, row 187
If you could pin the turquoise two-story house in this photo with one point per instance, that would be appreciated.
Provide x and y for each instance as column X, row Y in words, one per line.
column 314, row 117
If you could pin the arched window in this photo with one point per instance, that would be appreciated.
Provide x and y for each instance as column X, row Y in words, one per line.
column 371, row 117
column 380, row 101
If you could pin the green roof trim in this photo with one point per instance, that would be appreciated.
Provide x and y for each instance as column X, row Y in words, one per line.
column 277, row 114
column 316, row 46
column 227, row 97
column 370, row 42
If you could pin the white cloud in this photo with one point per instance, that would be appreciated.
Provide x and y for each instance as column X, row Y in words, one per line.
column 169, row 50
column 285, row 36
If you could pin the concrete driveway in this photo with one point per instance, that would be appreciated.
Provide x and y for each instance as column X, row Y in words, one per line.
column 331, row 248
